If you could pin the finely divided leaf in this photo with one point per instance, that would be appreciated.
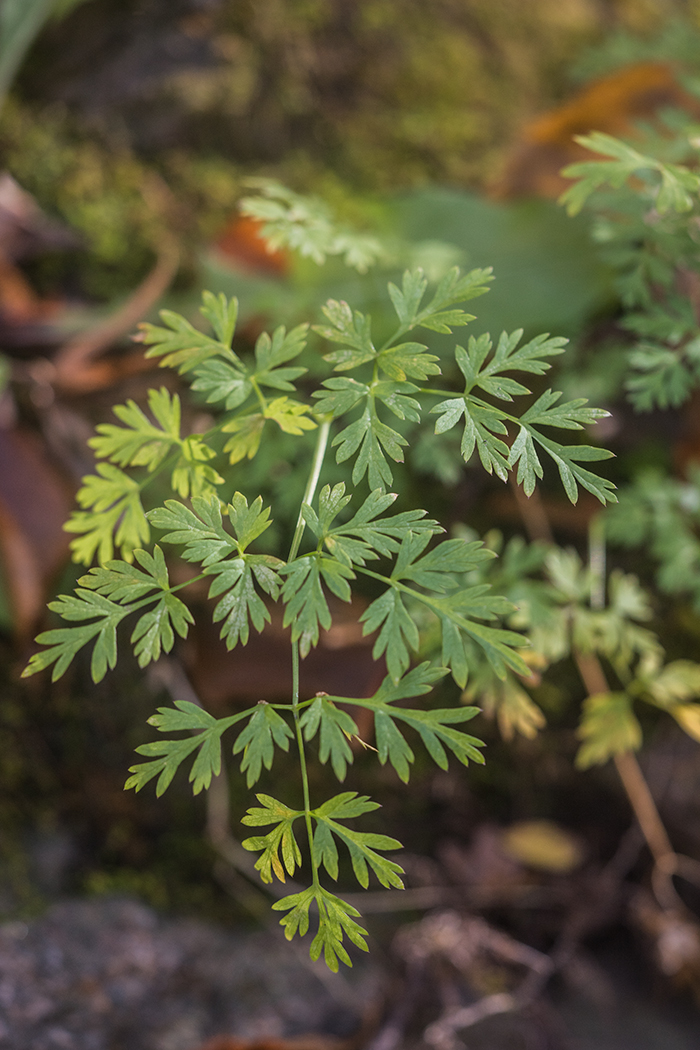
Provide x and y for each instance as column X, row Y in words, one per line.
column 291, row 416
column 407, row 299
column 567, row 458
column 208, row 731
column 241, row 604
column 362, row 846
column 200, row 531
column 365, row 536
column 306, row 606
column 221, row 313
column 454, row 287
column 305, row 224
column 409, row 360
column 433, row 726
column 674, row 190
column 248, row 522
column 485, row 425
column 455, row 610
column 608, row 727
column 113, row 515
column 182, row 346
column 337, row 727
column 370, row 439
column 247, row 433
column 398, row 631
column 64, row 642
column 394, row 396
column 272, row 352
column 154, row 629
column 140, row 442
column 122, row 582
column 345, row 394
column 223, row 381
column 352, row 330
column 206, row 541
column 335, row 920
column 257, row 741
column 107, row 595
column 279, row 846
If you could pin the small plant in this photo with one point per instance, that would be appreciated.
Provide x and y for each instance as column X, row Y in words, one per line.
column 646, row 209
column 644, row 200
column 348, row 531
column 567, row 610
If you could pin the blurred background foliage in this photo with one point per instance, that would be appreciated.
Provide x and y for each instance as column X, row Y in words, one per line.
column 129, row 116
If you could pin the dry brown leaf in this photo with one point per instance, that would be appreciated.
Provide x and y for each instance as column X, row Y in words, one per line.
column 611, row 104
column 34, row 503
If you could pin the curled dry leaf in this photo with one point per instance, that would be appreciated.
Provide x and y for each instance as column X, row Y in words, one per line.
column 34, row 503
column 612, row 104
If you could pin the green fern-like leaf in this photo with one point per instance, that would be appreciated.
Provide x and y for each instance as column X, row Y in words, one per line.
column 433, row 726
column 486, row 425
column 279, row 847
column 306, row 607
column 170, row 754
column 336, row 920
column 609, row 727
column 112, row 515
column 181, row 346
column 265, row 731
column 305, row 224
column 337, row 728
column 457, row 610
column 362, row 846
column 673, row 189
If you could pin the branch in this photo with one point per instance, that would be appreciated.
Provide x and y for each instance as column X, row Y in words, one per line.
column 72, row 363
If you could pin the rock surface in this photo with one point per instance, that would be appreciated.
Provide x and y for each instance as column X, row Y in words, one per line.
column 111, row 974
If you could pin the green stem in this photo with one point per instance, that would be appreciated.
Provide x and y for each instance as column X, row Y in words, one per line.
column 162, row 468
column 259, row 393
column 314, row 474
column 401, row 330
column 317, row 463
column 302, row 761
column 442, row 393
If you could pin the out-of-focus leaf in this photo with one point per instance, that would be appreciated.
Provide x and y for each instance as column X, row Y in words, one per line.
column 543, row 845
column 548, row 276
column 608, row 727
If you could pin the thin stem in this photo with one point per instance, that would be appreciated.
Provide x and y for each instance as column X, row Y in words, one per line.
column 302, row 760
column 645, row 810
column 443, row 393
column 401, row 330
column 259, row 394
column 314, row 474
column 317, row 463
column 638, row 795
column 596, row 561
